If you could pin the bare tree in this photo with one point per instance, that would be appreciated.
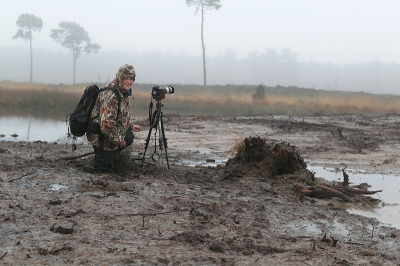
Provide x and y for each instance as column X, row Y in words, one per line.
column 28, row 23
column 74, row 37
column 203, row 5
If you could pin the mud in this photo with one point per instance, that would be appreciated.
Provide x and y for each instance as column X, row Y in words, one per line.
column 58, row 212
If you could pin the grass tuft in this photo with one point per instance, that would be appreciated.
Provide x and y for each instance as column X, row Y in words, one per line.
column 237, row 147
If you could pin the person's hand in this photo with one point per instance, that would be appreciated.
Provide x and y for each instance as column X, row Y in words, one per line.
column 122, row 144
column 136, row 128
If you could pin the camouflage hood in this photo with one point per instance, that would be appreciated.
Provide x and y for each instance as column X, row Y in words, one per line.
column 124, row 72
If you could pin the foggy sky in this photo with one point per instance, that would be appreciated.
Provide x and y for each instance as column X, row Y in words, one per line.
column 335, row 44
column 337, row 31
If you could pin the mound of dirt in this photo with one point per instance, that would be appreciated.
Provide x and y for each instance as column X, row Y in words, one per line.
column 267, row 158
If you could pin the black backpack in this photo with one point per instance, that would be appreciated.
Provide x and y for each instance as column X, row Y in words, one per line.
column 80, row 117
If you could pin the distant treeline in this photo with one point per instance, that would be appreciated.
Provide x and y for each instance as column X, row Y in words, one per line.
column 209, row 100
column 270, row 68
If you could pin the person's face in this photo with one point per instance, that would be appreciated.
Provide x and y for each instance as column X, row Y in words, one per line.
column 127, row 83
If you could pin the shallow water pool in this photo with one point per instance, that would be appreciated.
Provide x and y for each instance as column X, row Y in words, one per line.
column 31, row 129
column 388, row 211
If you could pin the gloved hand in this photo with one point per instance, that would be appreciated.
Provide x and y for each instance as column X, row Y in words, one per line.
column 129, row 137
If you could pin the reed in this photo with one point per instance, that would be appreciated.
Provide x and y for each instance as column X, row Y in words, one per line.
column 210, row 100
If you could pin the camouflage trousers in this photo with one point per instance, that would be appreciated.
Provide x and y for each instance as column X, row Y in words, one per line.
column 103, row 161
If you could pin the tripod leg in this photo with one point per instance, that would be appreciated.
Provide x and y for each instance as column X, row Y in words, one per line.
column 146, row 144
column 164, row 139
column 155, row 116
column 160, row 141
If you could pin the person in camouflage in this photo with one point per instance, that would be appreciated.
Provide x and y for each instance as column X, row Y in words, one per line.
column 114, row 123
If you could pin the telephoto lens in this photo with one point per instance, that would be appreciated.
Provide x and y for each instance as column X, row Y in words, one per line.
column 169, row 90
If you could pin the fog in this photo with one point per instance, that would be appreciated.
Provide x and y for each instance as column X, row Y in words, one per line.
column 329, row 44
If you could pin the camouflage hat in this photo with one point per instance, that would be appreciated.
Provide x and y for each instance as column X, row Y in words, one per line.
column 124, row 72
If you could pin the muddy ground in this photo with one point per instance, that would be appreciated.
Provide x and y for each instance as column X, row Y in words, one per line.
column 58, row 212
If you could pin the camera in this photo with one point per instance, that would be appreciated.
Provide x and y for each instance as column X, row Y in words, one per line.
column 159, row 93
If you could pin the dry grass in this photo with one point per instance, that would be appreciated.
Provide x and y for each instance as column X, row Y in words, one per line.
column 25, row 86
column 237, row 146
column 195, row 99
column 39, row 95
column 332, row 104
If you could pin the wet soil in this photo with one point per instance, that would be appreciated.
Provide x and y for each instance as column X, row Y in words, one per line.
column 58, row 212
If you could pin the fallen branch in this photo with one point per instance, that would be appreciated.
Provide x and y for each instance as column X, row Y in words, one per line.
column 90, row 153
column 324, row 192
column 150, row 214
column 4, row 255
column 21, row 176
column 359, row 191
column 354, row 243
column 76, row 156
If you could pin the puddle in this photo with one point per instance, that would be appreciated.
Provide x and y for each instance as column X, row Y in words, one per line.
column 389, row 211
column 193, row 163
column 33, row 129
column 336, row 228
column 56, row 187
column 304, row 226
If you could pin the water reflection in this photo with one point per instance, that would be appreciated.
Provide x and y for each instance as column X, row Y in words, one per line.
column 389, row 211
column 35, row 124
column 33, row 129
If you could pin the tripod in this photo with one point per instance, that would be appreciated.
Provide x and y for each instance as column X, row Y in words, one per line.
column 156, row 122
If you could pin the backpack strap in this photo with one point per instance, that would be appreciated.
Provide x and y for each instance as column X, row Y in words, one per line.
column 116, row 92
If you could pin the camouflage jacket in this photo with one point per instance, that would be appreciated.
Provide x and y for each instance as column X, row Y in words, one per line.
column 113, row 126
